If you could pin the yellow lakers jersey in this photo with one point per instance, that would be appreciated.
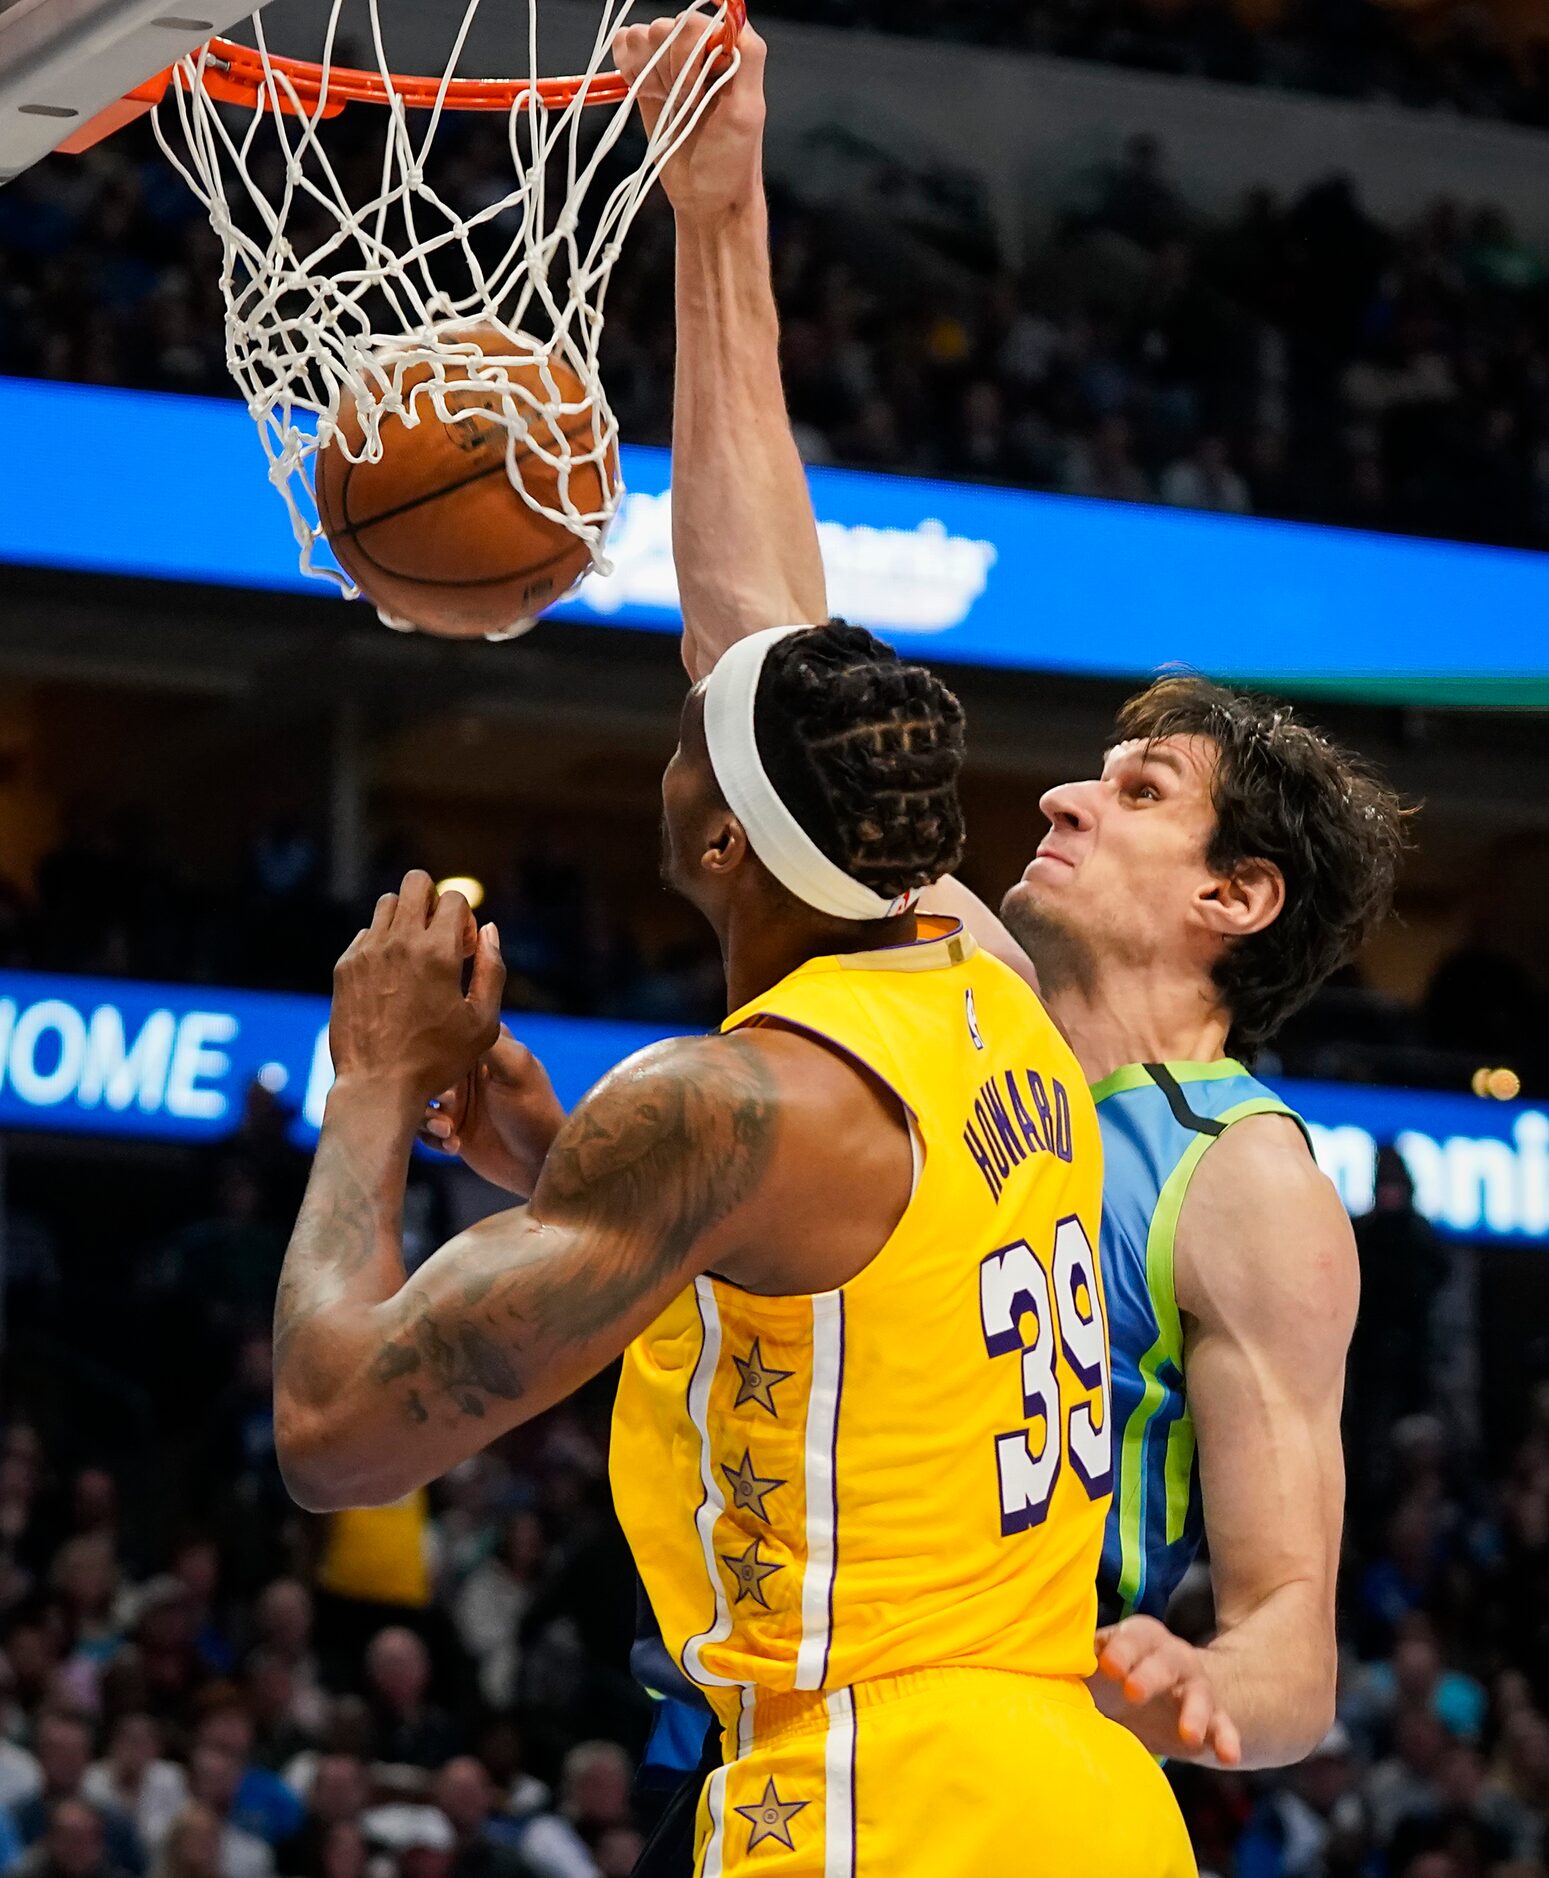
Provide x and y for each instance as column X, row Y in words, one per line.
column 912, row 1470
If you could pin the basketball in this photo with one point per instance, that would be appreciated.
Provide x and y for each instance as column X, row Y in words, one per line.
column 433, row 533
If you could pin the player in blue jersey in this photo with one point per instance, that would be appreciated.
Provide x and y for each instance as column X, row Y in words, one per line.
column 1186, row 900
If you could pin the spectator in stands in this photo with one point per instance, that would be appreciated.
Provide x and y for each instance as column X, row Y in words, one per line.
column 241, row 1474
column 262, row 1143
column 409, row 1727
column 197, row 1566
column 283, row 1619
column 617, row 1851
column 85, row 1578
column 594, row 1789
column 1415, row 1681
column 63, row 1739
column 487, row 1845
column 274, row 1703
column 233, row 1256
column 262, row 1804
column 192, row 1848
column 135, row 1778
column 94, row 1505
column 166, row 1653
column 345, row 1853
column 1137, row 200
column 1521, row 1766
column 419, row 1838
column 1205, row 479
column 74, row 1844
column 1408, row 1781
column 20, row 1775
column 33, row 1650
column 336, row 1795
column 214, row 1775
column 492, row 1601
column 1314, row 1824
column 1479, row 1828
column 1403, row 1267
column 1103, row 466
column 373, row 1575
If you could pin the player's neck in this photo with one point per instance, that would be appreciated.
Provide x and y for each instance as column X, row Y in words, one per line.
column 1129, row 1016
column 758, row 951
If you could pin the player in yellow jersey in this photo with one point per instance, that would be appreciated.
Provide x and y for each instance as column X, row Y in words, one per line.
column 863, row 1447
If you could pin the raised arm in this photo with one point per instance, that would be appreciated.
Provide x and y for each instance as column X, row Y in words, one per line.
column 382, row 1384
column 1267, row 1279
column 744, row 537
column 743, row 533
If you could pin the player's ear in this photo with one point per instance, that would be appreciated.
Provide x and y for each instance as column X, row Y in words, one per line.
column 1242, row 902
column 726, row 845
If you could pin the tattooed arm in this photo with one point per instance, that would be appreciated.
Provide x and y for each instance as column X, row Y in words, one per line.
column 380, row 1385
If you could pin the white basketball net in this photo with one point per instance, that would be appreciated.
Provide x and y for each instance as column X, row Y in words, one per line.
column 330, row 303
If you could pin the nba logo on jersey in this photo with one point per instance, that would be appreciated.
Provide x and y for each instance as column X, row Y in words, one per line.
column 973, row 1018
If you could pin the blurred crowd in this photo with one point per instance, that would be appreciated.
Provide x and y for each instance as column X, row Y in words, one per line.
column 111, row 900
column 1489, row 58
column 198, row 1681
column 415, row 1692
column 1296, row 359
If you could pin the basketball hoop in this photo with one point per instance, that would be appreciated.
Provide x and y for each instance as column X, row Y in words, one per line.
column 332, row 304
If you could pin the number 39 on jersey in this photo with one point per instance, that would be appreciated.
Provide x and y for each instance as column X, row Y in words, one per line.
column 1043, row 1310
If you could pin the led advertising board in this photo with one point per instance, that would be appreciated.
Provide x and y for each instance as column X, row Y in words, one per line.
column 106, row 1057
column 153, row 484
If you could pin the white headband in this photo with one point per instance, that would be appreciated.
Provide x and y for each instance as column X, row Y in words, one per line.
column 777, row 838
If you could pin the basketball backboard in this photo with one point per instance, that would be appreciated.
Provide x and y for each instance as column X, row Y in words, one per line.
column 66, row 64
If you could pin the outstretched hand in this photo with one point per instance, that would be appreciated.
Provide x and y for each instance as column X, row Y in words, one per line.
column 720, row 166
column 1170, row 1700
column 501, row 1117
column 400, row 1015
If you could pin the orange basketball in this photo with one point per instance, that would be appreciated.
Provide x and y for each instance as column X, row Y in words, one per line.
column 433, row 533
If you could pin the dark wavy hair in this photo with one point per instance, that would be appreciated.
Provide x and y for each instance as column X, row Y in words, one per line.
column 1286, row 794
column 865, row 752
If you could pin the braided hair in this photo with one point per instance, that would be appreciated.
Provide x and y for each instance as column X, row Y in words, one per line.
column 865, row 752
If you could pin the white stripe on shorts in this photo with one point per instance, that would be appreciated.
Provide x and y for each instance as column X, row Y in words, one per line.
column 839, row 1787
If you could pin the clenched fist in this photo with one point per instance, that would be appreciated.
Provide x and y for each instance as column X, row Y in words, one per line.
column 719, row 166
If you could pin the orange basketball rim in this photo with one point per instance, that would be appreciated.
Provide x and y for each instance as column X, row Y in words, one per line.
column 232, row 73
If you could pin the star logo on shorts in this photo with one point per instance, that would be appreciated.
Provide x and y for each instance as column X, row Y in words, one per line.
column 750, row 1571
column 747, row 1489
column 755, row 1383
column 771, row 1818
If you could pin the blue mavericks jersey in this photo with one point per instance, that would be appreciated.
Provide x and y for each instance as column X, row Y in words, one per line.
column 1157, row 1120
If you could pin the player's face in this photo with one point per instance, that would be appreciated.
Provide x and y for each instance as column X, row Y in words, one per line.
column 1119, row 875
column 689, row 801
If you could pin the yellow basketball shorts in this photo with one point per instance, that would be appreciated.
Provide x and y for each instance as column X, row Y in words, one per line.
column 942, row 1773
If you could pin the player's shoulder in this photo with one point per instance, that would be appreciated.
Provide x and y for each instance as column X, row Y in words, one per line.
column 758, row 1068
column 1262, row 1225
column 1262, row 1158
column 720, row 1065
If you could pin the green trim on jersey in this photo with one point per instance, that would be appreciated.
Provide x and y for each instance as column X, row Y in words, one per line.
column 1160, row 1242
column 1137, row 1076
